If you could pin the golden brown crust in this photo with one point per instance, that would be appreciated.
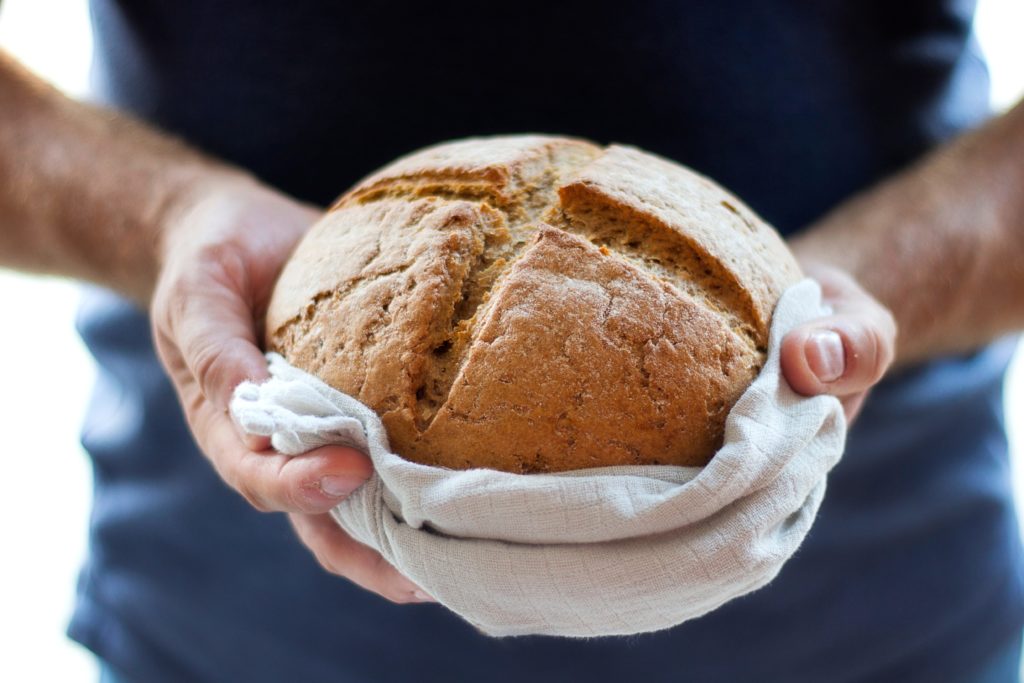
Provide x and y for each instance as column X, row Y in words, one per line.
column 739, row 264
column 536, row 304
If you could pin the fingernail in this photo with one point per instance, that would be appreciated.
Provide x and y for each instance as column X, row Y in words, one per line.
column 825, row 355
column 339, row 487
column 422, row 597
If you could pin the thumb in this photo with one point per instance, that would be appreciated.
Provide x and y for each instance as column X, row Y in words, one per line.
column 205, row 335
column 217, row 341
column 840, row 355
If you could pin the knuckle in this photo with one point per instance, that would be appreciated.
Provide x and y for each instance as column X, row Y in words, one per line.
column 223, row 260
column 401, row 598
column 253, row 497
column 233, row 469
column 295, row 500
column 390, row 583
column 259, row 504
column 288, row 490
column 868, row 351
column 166, row 348
column 882, row 355
column 170, row 305
column 327, row 563
column 159, row 318
column 331, row 560
column 206, row 361
column 213, row 365
column 392, row 593
column 882, row 317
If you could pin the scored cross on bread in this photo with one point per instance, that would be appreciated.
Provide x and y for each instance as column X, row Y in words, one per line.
column 536, row 304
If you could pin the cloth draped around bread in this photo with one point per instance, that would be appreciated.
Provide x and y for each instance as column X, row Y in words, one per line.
column 596, row 552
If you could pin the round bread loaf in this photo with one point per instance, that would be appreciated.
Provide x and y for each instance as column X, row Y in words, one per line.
column 536, row 304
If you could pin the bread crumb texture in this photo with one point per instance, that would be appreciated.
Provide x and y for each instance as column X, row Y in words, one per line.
column 536, row 304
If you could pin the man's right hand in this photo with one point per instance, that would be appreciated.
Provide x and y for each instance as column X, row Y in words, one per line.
column 220, row 252
column 134, row 210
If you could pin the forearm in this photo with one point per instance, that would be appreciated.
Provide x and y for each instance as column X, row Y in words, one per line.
column 84, row 192
column 941, row 244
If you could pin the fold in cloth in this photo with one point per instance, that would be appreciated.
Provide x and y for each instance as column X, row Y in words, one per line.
column 603, row 551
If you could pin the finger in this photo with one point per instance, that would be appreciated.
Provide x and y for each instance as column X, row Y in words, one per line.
column 205, row 314
column 216, row 336
column 340, row 554
column 190, row 396
column 313, row 482
column 836, row 284
column 846, row 297
column 840, row 355
column 846, row 353
column 253, row 442
column 852, row 405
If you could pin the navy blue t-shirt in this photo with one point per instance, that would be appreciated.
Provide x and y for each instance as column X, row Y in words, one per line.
column 912, row 571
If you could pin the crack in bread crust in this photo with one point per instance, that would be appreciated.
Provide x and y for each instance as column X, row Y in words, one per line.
column 520, row 201
column 447, row 352
column 400, row 328
column 597, row 327
column 665, row 254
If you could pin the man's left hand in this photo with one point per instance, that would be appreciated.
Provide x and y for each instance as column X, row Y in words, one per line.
column 843, row 354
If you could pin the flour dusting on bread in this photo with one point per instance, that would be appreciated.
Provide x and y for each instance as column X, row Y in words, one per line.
column 536, row 304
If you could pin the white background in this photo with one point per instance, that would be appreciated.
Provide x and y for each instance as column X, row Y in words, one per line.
column 46, row 480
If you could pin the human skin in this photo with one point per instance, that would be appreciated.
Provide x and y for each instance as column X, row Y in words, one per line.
column 91, row 194
column 940, row 245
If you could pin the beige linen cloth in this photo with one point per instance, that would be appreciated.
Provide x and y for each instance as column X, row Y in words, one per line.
column 604, row 551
